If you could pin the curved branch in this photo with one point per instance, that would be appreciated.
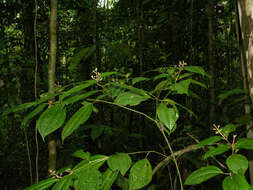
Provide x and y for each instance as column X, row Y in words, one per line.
column 177, row 153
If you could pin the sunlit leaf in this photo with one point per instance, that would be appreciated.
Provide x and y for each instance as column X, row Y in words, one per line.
column 181, row 87
column 44, row 184
column 221, row 148
column 51, row 119
column 167, row 116
column 140, row 174
column 64, row 183
column 90, row 179
column 129, row 98
column 195, row 69
column 237, row 163
column 109, row 178
column 235, row 182
column 120, row 161
column 209, row 141
column 81, row 116
column 244, row 143
column 202, row 174
column 32, row 114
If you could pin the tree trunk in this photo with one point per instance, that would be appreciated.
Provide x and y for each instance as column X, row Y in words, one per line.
column 209, row 12
column 245, row 14
column 51, row 79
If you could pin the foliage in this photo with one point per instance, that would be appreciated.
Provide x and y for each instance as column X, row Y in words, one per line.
column 237, row 164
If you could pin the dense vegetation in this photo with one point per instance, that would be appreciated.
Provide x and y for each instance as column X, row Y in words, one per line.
column 120, row 94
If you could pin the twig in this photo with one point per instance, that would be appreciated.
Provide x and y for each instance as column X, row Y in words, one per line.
column 177, row 153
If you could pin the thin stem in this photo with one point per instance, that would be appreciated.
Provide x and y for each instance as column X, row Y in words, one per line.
column 29, row 158
column 127, row 108
column 35, row 86
column 151, row 151
column 174, row 159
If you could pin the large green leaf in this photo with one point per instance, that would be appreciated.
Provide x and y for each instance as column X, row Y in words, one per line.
column 129, row 98
column 89, row 179
column 140, row 174
column 139, row 79
column 120, row 161
column 76, row 89
column 209, row 141
column 51, row 119
column 181, row 87
column 79, row 97
column 108, row 179
column 229, row 128
column 32, row 114
column 195, row 69
column 81, row 154
column 221, row 148
column 244, row 143
column 202, row 174
column 44, row 184
column 19, row 108
column 81, row 116
column 131, row 89
column 95, row 161
column 168, row 116
column 64, row 183
column 235, row 182
column 237, row 163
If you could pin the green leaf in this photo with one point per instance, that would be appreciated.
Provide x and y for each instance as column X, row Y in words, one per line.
column 109, row 178
column 107, row 74
column 81, row 154
column 129, row 98
column 76, row 89
column 163, row 85
column 202, row 174
column 139, row 79
column 32, row 114
column 140, row 174
column 76, row 98
column 235, row 182
column 197, row 83
column 181, row 87
column 81, row 116
column 229, row 128
column 64, row 183
column 51, row 119
column 19, row 108
column 120, row 161
column 160, row 76
column 95, row 161
column 167, row 116
column 131, row 89
column 195, row 69
column 244, row 143
column 237, row 163
column 209, row 141
column 123, row 182
column 228, row 93
column 44, row 184
column 89, row 179
column 221, row 148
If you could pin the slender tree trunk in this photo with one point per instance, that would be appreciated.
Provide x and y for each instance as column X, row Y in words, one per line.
column 245, row 14
column 209, row 12
column 95, row 33
column 51, row 79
